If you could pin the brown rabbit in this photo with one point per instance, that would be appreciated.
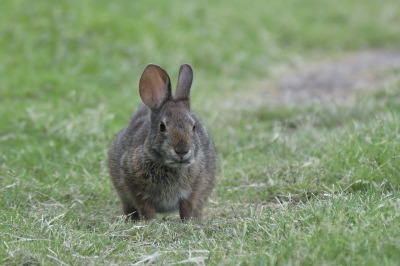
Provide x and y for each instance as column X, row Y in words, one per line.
column 164, row 160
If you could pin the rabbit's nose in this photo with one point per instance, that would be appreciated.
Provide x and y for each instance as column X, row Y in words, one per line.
column 182, row 149
column 181, row 152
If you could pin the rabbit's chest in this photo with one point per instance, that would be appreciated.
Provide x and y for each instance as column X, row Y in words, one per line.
column 163, row 187
column 165, row 199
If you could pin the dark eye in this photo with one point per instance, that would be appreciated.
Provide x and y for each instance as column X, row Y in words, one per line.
column 162, row 127
column 194, row 127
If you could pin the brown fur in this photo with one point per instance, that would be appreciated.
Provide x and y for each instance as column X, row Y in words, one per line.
column 157, row 171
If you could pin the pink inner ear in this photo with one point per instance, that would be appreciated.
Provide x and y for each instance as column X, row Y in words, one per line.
column 157, row 89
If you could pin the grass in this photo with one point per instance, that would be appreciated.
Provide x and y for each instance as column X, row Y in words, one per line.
column 298, row 184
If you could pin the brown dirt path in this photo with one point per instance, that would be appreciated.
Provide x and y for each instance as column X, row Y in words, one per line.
column 338, row 79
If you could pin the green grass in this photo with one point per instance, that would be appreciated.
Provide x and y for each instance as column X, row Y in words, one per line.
column 313, row 184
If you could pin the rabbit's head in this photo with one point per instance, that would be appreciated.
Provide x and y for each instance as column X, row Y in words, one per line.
column 173, row 139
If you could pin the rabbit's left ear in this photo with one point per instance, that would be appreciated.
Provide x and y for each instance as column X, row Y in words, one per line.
column 185, row 79
column 154, row 86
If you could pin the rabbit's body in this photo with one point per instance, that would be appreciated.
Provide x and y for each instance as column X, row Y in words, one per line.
column 164, row 160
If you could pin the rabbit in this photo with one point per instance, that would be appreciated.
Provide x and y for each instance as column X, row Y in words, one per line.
column 165, row 159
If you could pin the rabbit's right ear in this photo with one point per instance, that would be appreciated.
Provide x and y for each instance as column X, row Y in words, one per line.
column 154, row 86
column 185, row 79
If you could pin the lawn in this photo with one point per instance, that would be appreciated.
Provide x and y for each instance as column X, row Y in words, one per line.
column 315, row 183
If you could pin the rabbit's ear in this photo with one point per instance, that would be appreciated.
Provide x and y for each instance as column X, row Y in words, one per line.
column 185, row 79
column 154, row 86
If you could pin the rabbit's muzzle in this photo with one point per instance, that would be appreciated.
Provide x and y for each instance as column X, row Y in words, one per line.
column 180, row 155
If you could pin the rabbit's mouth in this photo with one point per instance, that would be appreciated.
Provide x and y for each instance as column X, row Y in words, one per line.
column 179, row 163
column 179, row 158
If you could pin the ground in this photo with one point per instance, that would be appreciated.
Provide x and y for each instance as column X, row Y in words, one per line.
column 337, row 79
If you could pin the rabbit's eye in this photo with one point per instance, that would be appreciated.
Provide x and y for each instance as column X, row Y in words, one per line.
column 194, row 127
column 162, row 127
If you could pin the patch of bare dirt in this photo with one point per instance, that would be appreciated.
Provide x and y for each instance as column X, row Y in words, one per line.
column 339, row 78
